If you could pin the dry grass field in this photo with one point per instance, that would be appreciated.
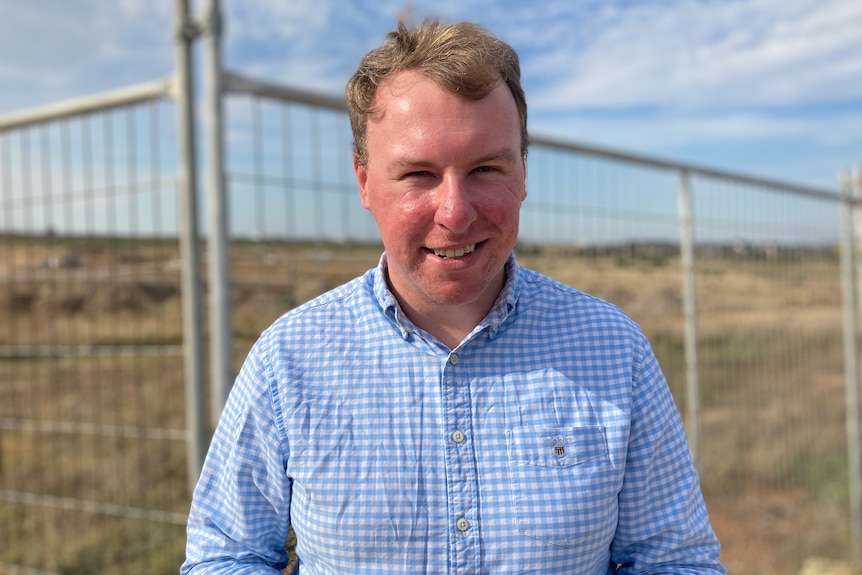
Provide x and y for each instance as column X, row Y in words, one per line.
column 92, row 400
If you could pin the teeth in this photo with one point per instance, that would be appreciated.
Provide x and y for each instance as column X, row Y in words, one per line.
column 456, row 253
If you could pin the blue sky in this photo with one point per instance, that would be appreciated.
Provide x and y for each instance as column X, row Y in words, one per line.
column 766, row 87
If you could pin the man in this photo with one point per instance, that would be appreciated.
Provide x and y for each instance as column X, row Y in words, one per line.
column 449, row 411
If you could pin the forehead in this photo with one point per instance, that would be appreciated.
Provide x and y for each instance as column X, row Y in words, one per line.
column 414, row 85
column 412, row 110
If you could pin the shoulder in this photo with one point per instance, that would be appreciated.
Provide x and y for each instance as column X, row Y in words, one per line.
column 545, row 295
column 560, row 315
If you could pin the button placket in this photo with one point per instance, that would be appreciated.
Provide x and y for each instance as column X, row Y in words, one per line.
column 460, row 465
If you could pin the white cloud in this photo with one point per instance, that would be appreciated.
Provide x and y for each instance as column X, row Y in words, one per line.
column 804, row 147
column 53, row 50
column 656, row 75
column 692, row 55
column 274, row 20
column 666, row 131
column 306, row 43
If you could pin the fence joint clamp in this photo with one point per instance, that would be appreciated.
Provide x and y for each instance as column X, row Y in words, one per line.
column 188, row 30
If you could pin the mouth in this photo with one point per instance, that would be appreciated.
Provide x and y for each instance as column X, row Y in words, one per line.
column 454, row 253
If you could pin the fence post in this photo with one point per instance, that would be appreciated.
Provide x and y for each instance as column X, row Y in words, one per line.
column 221, row 331
column 692, row 402
column 855, row 445
column 849, row 277
column 196, row 429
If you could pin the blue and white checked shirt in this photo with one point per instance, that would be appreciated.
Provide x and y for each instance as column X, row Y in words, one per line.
column 546, row 443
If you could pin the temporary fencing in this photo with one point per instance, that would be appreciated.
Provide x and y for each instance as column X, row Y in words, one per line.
column 116, row 260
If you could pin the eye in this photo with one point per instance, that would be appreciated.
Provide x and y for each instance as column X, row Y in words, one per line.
column 417, row 174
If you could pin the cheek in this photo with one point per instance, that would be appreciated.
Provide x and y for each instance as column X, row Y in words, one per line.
column 503, row 213
column 403, row 211
column 397, row 223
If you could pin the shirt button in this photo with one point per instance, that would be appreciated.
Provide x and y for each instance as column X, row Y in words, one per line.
column 462, row 524
column 458, row 436
column 453, row 359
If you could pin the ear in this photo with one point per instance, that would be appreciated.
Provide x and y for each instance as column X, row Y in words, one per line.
column 362, row 179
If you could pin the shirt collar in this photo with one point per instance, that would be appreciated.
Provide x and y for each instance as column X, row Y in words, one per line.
column 501, row 310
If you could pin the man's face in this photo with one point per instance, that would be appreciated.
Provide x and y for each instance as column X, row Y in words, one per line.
column 444, row 181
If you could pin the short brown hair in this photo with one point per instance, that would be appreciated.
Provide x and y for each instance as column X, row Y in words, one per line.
column 462, row 58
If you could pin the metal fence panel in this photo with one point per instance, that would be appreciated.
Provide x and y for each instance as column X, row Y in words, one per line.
column 92, row 439
column 771, row 373
column 767, row 286
column 93, row 458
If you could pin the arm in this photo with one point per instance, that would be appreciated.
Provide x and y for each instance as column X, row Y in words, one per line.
column 663, row 524
column 239, row 516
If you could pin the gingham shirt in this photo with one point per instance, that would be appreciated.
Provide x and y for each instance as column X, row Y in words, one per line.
column 547, row 442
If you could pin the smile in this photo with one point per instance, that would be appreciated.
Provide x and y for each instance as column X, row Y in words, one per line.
column 455, row 253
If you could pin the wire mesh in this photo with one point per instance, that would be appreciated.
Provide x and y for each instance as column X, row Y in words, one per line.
column 92, row 460
column 768, row 299
column 92, row 440
column 772, row 374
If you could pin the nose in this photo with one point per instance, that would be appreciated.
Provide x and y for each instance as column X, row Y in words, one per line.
column 454, row 209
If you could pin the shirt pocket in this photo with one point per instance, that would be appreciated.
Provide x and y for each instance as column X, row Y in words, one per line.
column 564, row 485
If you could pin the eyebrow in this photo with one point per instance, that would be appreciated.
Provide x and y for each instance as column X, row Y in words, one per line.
column 504, row 154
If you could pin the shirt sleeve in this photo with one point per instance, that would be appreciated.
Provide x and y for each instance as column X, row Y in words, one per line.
column 663, row 523
column 240, row 510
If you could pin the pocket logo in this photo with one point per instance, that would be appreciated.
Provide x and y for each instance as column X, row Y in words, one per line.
column 559, row 443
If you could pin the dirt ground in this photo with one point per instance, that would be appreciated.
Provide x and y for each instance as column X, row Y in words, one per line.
column 765, row 410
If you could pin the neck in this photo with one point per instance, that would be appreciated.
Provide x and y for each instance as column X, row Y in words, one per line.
column 450, row 324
